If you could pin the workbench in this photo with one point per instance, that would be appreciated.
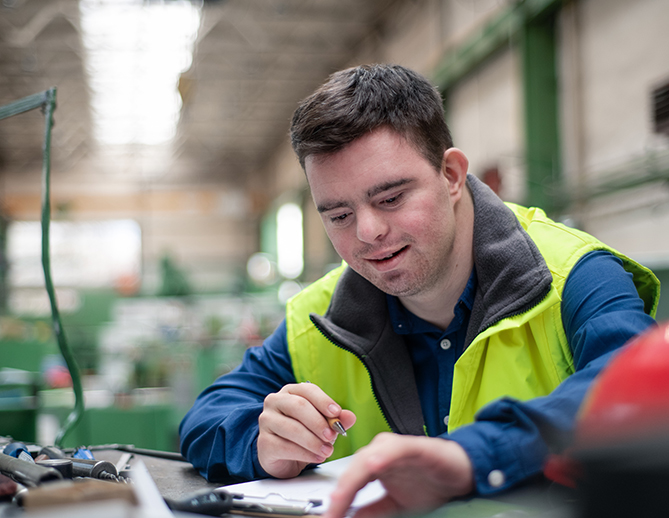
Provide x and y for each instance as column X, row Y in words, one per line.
column 539, row 498
column 174, row 479
column 177, row 479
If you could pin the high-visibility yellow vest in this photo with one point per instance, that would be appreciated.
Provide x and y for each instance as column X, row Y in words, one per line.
column 522, row 356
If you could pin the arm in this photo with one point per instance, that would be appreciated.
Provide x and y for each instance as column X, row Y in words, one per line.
column 510, row 439
column 256, row 421
column 601, row 311
column 219, row 433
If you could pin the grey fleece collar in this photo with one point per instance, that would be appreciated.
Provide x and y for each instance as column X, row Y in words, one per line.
column 512, row 273
column 512, row 277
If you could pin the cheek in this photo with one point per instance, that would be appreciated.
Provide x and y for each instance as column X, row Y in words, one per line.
column 340, row 241
column 426, row 228
column 417, row 222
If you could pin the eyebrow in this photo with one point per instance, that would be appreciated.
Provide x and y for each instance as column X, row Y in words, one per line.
column 387, row 186
column 377, row 189
column 328, row 207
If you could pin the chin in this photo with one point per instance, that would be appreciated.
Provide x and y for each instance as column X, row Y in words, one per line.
column 400, row 288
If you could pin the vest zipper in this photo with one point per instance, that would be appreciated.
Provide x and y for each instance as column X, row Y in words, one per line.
column 362, row 360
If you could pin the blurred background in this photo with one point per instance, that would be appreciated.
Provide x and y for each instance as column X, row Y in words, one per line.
column 181, row 221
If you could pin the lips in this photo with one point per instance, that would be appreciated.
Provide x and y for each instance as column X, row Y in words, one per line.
column 390, row 256
column 388, row 261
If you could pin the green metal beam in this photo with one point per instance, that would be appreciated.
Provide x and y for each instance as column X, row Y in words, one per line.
column 542, row 126
column 653, row 167
column 26, row 104
column 492, row 36
column 530, row 25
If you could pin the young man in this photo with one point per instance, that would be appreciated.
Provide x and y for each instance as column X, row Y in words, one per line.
column 469, row 327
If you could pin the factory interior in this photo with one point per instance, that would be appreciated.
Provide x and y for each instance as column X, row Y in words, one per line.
column 180, row 221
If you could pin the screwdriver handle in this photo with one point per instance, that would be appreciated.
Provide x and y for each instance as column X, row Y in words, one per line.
column 83, row 453
column 18, row 450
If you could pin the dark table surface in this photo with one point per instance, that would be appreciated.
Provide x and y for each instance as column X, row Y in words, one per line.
column 176, row 479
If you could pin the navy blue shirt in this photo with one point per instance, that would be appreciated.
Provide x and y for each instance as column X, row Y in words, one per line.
column 434, row 353
column 509, row 440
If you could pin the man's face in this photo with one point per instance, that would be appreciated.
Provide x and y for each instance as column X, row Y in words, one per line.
column 388, row 212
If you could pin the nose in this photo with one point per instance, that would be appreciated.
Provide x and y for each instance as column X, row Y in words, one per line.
column 371, row 226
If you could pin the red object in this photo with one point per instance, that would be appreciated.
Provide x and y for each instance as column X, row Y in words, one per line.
column 630, row 398
column 8, row 488
column 57, row 376
column 563, row 470
column 628, row 401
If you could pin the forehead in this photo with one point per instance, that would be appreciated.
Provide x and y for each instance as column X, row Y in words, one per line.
column 381, row 157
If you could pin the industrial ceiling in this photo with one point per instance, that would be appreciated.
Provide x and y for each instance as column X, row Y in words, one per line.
column 247, row 64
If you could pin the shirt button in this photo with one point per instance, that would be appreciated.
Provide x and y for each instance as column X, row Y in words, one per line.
column 446, row 420
column 445, row 344
column 496, row 478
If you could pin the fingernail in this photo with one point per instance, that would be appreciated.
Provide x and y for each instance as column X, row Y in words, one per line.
column 327, row 449
column 334, row 408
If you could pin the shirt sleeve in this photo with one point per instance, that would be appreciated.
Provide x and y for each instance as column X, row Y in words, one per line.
column 510, row 439
column 219, row 433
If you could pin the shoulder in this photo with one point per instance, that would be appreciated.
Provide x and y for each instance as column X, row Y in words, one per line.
column 316, row 297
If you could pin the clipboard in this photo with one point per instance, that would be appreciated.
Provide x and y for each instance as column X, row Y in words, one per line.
column 307, row 495
column 272, row 505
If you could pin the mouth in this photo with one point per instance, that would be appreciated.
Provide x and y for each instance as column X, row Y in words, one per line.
column 388, row 258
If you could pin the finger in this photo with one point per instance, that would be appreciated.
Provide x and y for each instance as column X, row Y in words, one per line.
column 274, row 448
column 340, row 502
column 356, row 476
column 324, row 406
column 333, row 410
column 289, row 420
column 368, row 463
column 315, row 395
column 300, row 409
column 384, row 507
column 347, row 419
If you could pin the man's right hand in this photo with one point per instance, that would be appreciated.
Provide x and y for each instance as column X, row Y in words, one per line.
column 294, row 431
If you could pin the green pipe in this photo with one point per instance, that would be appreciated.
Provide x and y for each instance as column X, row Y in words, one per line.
column 66, row 351
column 47, row 102
column 23, row 105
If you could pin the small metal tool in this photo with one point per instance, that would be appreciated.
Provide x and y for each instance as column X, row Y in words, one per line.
column 336, row 425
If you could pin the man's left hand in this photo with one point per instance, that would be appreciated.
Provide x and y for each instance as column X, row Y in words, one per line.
column 419, row 474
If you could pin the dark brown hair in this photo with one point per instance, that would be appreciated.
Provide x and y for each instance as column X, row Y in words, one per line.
column 357, row 100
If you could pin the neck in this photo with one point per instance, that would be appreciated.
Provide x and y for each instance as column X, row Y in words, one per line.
column 437, row 305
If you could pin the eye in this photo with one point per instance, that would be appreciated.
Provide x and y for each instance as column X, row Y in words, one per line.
column 392, row 200
column 339, row 219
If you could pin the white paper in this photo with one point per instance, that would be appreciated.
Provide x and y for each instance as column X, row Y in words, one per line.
column 315, row 484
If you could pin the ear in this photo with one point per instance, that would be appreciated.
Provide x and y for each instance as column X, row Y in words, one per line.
column 454, row 167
